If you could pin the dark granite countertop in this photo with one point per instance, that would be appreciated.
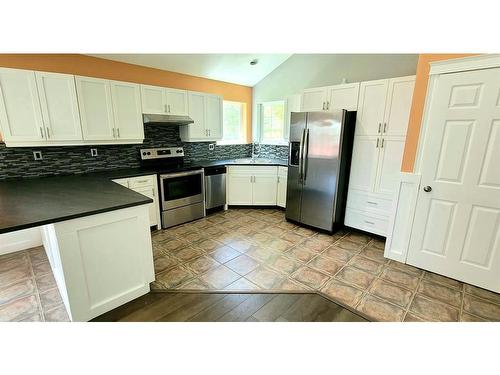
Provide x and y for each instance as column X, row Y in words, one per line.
column 31, row 202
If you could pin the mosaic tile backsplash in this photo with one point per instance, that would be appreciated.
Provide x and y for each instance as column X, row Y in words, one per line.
column 18, row 162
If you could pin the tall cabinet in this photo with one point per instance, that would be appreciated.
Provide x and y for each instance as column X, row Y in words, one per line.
column 381, row 124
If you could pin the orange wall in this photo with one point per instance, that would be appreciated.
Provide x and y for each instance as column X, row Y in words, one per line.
column 417, row 107
column 102, row 68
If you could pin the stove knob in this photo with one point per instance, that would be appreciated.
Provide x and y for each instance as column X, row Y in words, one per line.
column 144, row 153
column 149, row 153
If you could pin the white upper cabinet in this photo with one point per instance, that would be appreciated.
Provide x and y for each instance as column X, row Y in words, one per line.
column 206, row 112
column 177, row 102
column 20, row 112
column 165, row 101
column 153, row 100
column 314, row 100
column 398, row 106
column 213, row 108
column 59, row 105
column 96, row 108
column 371, row 107
column 126, row 98
column 343, row 96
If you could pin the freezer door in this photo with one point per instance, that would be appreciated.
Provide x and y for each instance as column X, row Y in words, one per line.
column 294, row 184
column 321, row 168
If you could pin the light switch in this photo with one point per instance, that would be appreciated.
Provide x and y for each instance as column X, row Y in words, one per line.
column 93, row 152
column 211, row 146
column 37, row 155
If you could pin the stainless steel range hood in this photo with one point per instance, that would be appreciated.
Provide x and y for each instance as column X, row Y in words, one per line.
column 156, row 119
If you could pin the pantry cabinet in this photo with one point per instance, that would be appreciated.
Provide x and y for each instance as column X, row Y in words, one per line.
column 329, row 98
column 145, row 185
column 206, row 112
column 20, row 113
column 252, row 185
column 164, row 101
column 381, row 124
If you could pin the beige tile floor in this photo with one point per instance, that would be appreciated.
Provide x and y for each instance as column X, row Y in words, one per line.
column 257, row 249
column 28, row 291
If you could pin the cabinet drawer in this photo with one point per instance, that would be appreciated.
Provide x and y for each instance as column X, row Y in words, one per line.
column 365, row 202
column 253, row 170
column 368, row 223
column 137, row 182
column 122, row 182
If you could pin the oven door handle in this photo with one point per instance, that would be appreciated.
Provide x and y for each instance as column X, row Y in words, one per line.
column 180, row 174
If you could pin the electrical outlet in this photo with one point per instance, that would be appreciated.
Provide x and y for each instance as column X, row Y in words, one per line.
column 211, row 146
column 37, row 155
column 93, row 152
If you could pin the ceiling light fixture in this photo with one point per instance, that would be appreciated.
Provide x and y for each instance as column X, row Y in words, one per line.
column 254, row 62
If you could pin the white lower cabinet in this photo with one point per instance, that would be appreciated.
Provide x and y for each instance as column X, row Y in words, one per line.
column 252, row 185
column 282, row 182
column 145, row 185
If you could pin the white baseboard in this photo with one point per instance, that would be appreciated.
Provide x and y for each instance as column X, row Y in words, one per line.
column 401, row 220
column 20, row 240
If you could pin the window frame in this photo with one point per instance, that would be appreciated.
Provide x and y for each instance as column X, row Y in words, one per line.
column 244, row 127
column 284, row 134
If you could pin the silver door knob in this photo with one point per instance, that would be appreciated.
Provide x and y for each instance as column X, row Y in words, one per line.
column 427, row 189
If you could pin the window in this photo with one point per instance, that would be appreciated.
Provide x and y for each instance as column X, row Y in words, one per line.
column 233, row 123
column 272, row 122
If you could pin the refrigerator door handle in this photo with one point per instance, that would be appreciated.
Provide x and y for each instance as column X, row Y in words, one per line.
column 305, row 155
column 301, row 154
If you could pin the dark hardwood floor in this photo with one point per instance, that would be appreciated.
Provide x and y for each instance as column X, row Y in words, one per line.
column 230, row 307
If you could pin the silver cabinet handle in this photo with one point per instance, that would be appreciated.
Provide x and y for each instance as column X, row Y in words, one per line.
column 278, row 179
column 385, row 126
column 114, row 134
column 327, row 106
column 41, row 132
column 209, row 133
column 118, row 132
column 323, row 106
column 382, row 144
column 377, row 143
column 369, row 222
column 374, row 203
column 166, row 108
column 379, row 126
column 48, row 131
column 169, row 108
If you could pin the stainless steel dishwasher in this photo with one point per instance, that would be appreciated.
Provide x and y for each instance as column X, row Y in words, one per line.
column 215, row 186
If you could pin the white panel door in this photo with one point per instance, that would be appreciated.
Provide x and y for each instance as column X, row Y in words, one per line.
column 314, row 99
column 371, row 107
column 264, row 190
column 20, row 113
column 456, row 229
column 196, row 105
column 389, row 165
column 343, row 96
column 177, row 102
column 239, row 189
column 126, row 98
column 59, row 105
column 364, row 163
column 213, row 107
column 96, row 108
column 153, row 99
column 397, row 111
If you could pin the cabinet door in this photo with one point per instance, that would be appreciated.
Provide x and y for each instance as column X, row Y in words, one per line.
column 389, row 165
column 59, row 105
column 265, row 190
column 213, row 117
column 314, row 99
column 281, row 194
column 397, row 111
column 20, row 113
column 196, row 106
column 239, row 189
column 126, row 98
column 177, row 102
column 364, row 163
column 343, row 97
column 96, row 109
column 153, row 99
column 150, row 193
column 371, row 107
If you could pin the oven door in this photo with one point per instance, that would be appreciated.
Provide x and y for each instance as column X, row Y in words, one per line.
column 181, row 189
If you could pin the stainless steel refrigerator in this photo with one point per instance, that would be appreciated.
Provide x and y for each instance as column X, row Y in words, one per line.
column 319, row 160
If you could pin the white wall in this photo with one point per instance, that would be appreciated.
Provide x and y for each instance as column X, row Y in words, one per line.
column 304, row 71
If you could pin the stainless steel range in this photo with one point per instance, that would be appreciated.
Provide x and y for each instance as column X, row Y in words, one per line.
column 182, row 187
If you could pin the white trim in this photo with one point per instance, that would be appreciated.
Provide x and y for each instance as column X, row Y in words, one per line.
column 20, row 240
column 402, row 216
column 464, row 64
